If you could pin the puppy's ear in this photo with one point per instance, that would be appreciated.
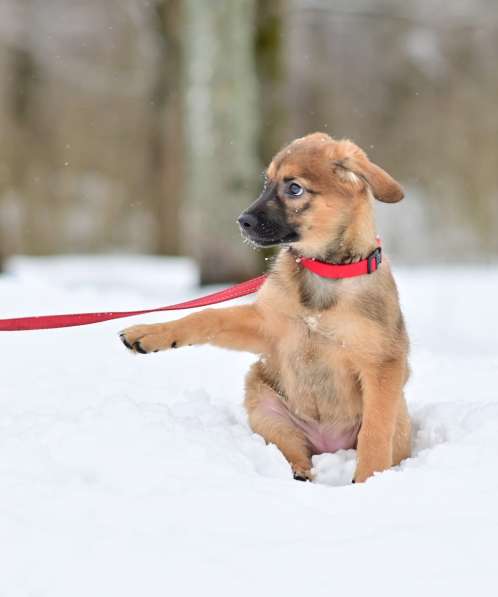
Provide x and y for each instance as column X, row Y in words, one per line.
column 384, row 187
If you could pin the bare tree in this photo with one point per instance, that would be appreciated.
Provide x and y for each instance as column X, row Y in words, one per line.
column 24, row 146
column 165, row 160
column 270, row 52
column 221, row 120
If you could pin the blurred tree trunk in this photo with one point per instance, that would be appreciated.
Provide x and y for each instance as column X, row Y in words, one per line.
column 271, row 68
column 166, row 135
column 221, row 134
column 22, row 109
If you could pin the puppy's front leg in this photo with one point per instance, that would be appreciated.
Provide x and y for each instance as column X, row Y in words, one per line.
column 239, row 328
column 382, row 396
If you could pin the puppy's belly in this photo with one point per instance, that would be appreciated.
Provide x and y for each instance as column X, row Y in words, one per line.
column 322, row 436
column 327, row 437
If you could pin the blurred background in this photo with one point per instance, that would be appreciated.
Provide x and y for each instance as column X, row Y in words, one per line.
column 143, row 126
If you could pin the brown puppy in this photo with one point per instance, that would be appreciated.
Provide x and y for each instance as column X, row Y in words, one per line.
column 333, row 352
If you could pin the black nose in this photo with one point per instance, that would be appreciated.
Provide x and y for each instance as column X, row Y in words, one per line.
column 247, row 221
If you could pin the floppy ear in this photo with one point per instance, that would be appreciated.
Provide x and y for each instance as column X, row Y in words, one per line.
column 384, row 187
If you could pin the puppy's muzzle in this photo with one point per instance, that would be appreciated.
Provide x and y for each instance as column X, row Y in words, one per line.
column 264, row 231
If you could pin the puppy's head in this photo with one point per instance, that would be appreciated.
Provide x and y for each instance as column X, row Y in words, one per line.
column 316, row 189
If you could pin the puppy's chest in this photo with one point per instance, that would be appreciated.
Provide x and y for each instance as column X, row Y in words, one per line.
column 311, row 367
column 314, row 333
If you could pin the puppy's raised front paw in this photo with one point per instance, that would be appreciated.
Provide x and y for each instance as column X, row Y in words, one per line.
column 149, row 338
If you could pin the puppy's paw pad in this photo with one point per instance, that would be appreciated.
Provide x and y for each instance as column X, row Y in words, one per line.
column 301, row 477
column 124, row 340
column 302, row 474
column 152, row 338
column 134, row 339
column 138, row 347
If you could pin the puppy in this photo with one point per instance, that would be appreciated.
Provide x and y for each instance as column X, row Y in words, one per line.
column 333, row 350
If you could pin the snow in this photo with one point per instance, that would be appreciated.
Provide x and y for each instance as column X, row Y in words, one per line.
column 126, row 475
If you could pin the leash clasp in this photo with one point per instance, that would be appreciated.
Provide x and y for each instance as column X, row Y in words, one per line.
column 375, row 256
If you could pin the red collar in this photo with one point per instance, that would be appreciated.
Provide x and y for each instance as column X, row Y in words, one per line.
column 347, row 270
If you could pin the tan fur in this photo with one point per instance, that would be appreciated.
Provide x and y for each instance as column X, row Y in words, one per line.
column 332, row 352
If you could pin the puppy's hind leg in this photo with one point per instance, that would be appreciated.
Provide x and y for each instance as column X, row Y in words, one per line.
column 269, row 417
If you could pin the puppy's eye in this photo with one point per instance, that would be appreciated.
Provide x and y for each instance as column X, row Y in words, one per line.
column 295, row 190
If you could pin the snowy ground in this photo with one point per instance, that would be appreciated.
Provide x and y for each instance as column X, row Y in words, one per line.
column 138, row 476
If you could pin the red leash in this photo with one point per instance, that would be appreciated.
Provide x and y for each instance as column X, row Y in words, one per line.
column 46, row 322
column 325, row 270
